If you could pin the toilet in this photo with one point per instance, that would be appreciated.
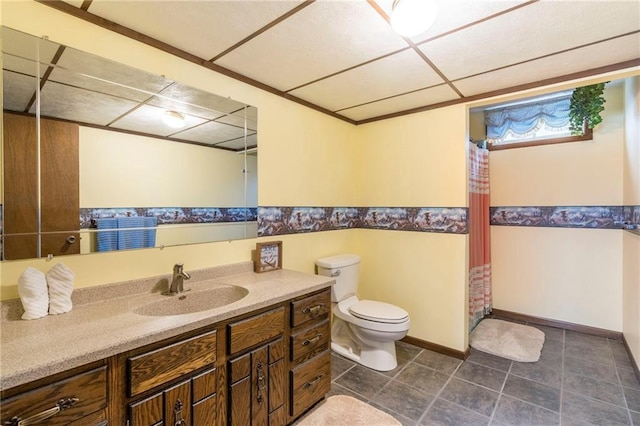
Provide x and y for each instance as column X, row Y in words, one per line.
column 364, row 331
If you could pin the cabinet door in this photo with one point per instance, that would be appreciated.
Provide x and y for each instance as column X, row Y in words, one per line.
column 147, row 412
column 20, row 210
column 257, row 389
column 59, row 182
column 177, row 405
column 240, row 403
column 60, row 187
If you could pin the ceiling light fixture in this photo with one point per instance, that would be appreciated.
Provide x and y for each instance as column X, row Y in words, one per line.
column 412, row 17
column 173, row 119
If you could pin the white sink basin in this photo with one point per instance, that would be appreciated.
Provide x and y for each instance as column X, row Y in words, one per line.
column 196, row 301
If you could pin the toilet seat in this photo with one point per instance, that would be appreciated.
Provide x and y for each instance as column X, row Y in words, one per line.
column 372, row 310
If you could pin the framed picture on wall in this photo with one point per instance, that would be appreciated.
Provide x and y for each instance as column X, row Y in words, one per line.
column 268, row 256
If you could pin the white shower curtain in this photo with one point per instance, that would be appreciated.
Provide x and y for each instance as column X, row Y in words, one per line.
column 480, row 298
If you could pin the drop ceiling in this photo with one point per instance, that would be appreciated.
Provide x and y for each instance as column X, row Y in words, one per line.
column 342, row 57
column 92, row 91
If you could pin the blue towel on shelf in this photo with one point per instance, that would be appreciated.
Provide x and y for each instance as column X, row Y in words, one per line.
column 150, row 234
column 130, row 238
column 125, row 235
column 107, row 240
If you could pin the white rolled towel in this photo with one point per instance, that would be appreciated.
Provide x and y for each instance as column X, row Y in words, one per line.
column 60, row 280
column 32, row 288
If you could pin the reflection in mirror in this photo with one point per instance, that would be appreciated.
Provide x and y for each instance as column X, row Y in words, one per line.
column 99, row 156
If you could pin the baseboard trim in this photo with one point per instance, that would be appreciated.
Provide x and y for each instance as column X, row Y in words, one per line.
column 601, row 332
column 437, row 348
column 634, row 364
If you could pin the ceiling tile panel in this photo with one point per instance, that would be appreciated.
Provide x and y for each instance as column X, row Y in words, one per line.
column 323, row 38
column 393, row 75
column 535, row 30
column 148, row 119
column 202, row 28
column 454, row 14
column 417, row 99
column 195, row 101
column 70, row 103
column 17, row 90
column 211, row 133
column 23, row 51
column 105, row 76
column 238, row 121
column 601, row 54
column 238, row 144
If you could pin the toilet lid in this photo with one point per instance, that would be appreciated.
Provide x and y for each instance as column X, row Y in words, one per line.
column 378, row 311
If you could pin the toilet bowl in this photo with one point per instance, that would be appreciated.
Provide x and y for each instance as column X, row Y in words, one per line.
column 364, row 331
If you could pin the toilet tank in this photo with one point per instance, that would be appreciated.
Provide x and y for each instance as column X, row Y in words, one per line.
column 345, row 269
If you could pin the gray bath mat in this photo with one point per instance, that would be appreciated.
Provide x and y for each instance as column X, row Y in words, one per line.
column 509, row 340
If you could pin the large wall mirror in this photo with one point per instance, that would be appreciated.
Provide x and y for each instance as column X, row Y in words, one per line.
column 98, row 156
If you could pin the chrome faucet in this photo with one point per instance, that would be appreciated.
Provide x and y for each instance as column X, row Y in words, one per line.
column 177, row 282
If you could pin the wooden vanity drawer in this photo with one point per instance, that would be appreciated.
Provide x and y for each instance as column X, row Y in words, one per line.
column 90, row 388
column 310, row 308
column 307, row 343
column 310, row 382
column 163, row 365
column 255, row 330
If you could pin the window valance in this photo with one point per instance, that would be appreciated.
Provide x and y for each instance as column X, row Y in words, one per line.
column 523, row 119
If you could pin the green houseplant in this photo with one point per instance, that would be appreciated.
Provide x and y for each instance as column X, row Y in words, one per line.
column 587, row 103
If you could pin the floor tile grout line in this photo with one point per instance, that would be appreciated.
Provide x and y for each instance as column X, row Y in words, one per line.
column 592, row 399
column 392, row 378
column 624, row 395
column 343, row 373
column 500, row 393
column 437, row 395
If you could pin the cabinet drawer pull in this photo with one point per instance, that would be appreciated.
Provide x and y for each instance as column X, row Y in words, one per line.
column 261, row 384
column 307, row 385
column 307, row 342
column 177, row 414
column 62, row 405
column 312, row 309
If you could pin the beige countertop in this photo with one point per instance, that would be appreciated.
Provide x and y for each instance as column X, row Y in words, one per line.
column 102, row 322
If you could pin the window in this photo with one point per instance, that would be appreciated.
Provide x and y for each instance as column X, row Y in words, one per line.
column 535, row 121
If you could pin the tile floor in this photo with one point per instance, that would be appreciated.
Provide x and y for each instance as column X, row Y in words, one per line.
column 579, row 380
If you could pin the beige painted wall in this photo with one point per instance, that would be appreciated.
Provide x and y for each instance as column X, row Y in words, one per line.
column 631, row 196
column 124, row 170
column 477, row 128
column 304, row 159
column 578, row 173
column 572, row 275
column 417, row 160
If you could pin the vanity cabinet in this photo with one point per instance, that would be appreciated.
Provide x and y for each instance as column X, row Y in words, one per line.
column 74, row 398
column 265, row 367
column 309, row 355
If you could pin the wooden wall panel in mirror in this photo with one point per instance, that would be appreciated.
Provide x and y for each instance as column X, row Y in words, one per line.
column 127, row 159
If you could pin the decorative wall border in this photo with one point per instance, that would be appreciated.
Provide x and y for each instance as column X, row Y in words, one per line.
column 171, row 215
column 293, row 220
column 589, row 217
